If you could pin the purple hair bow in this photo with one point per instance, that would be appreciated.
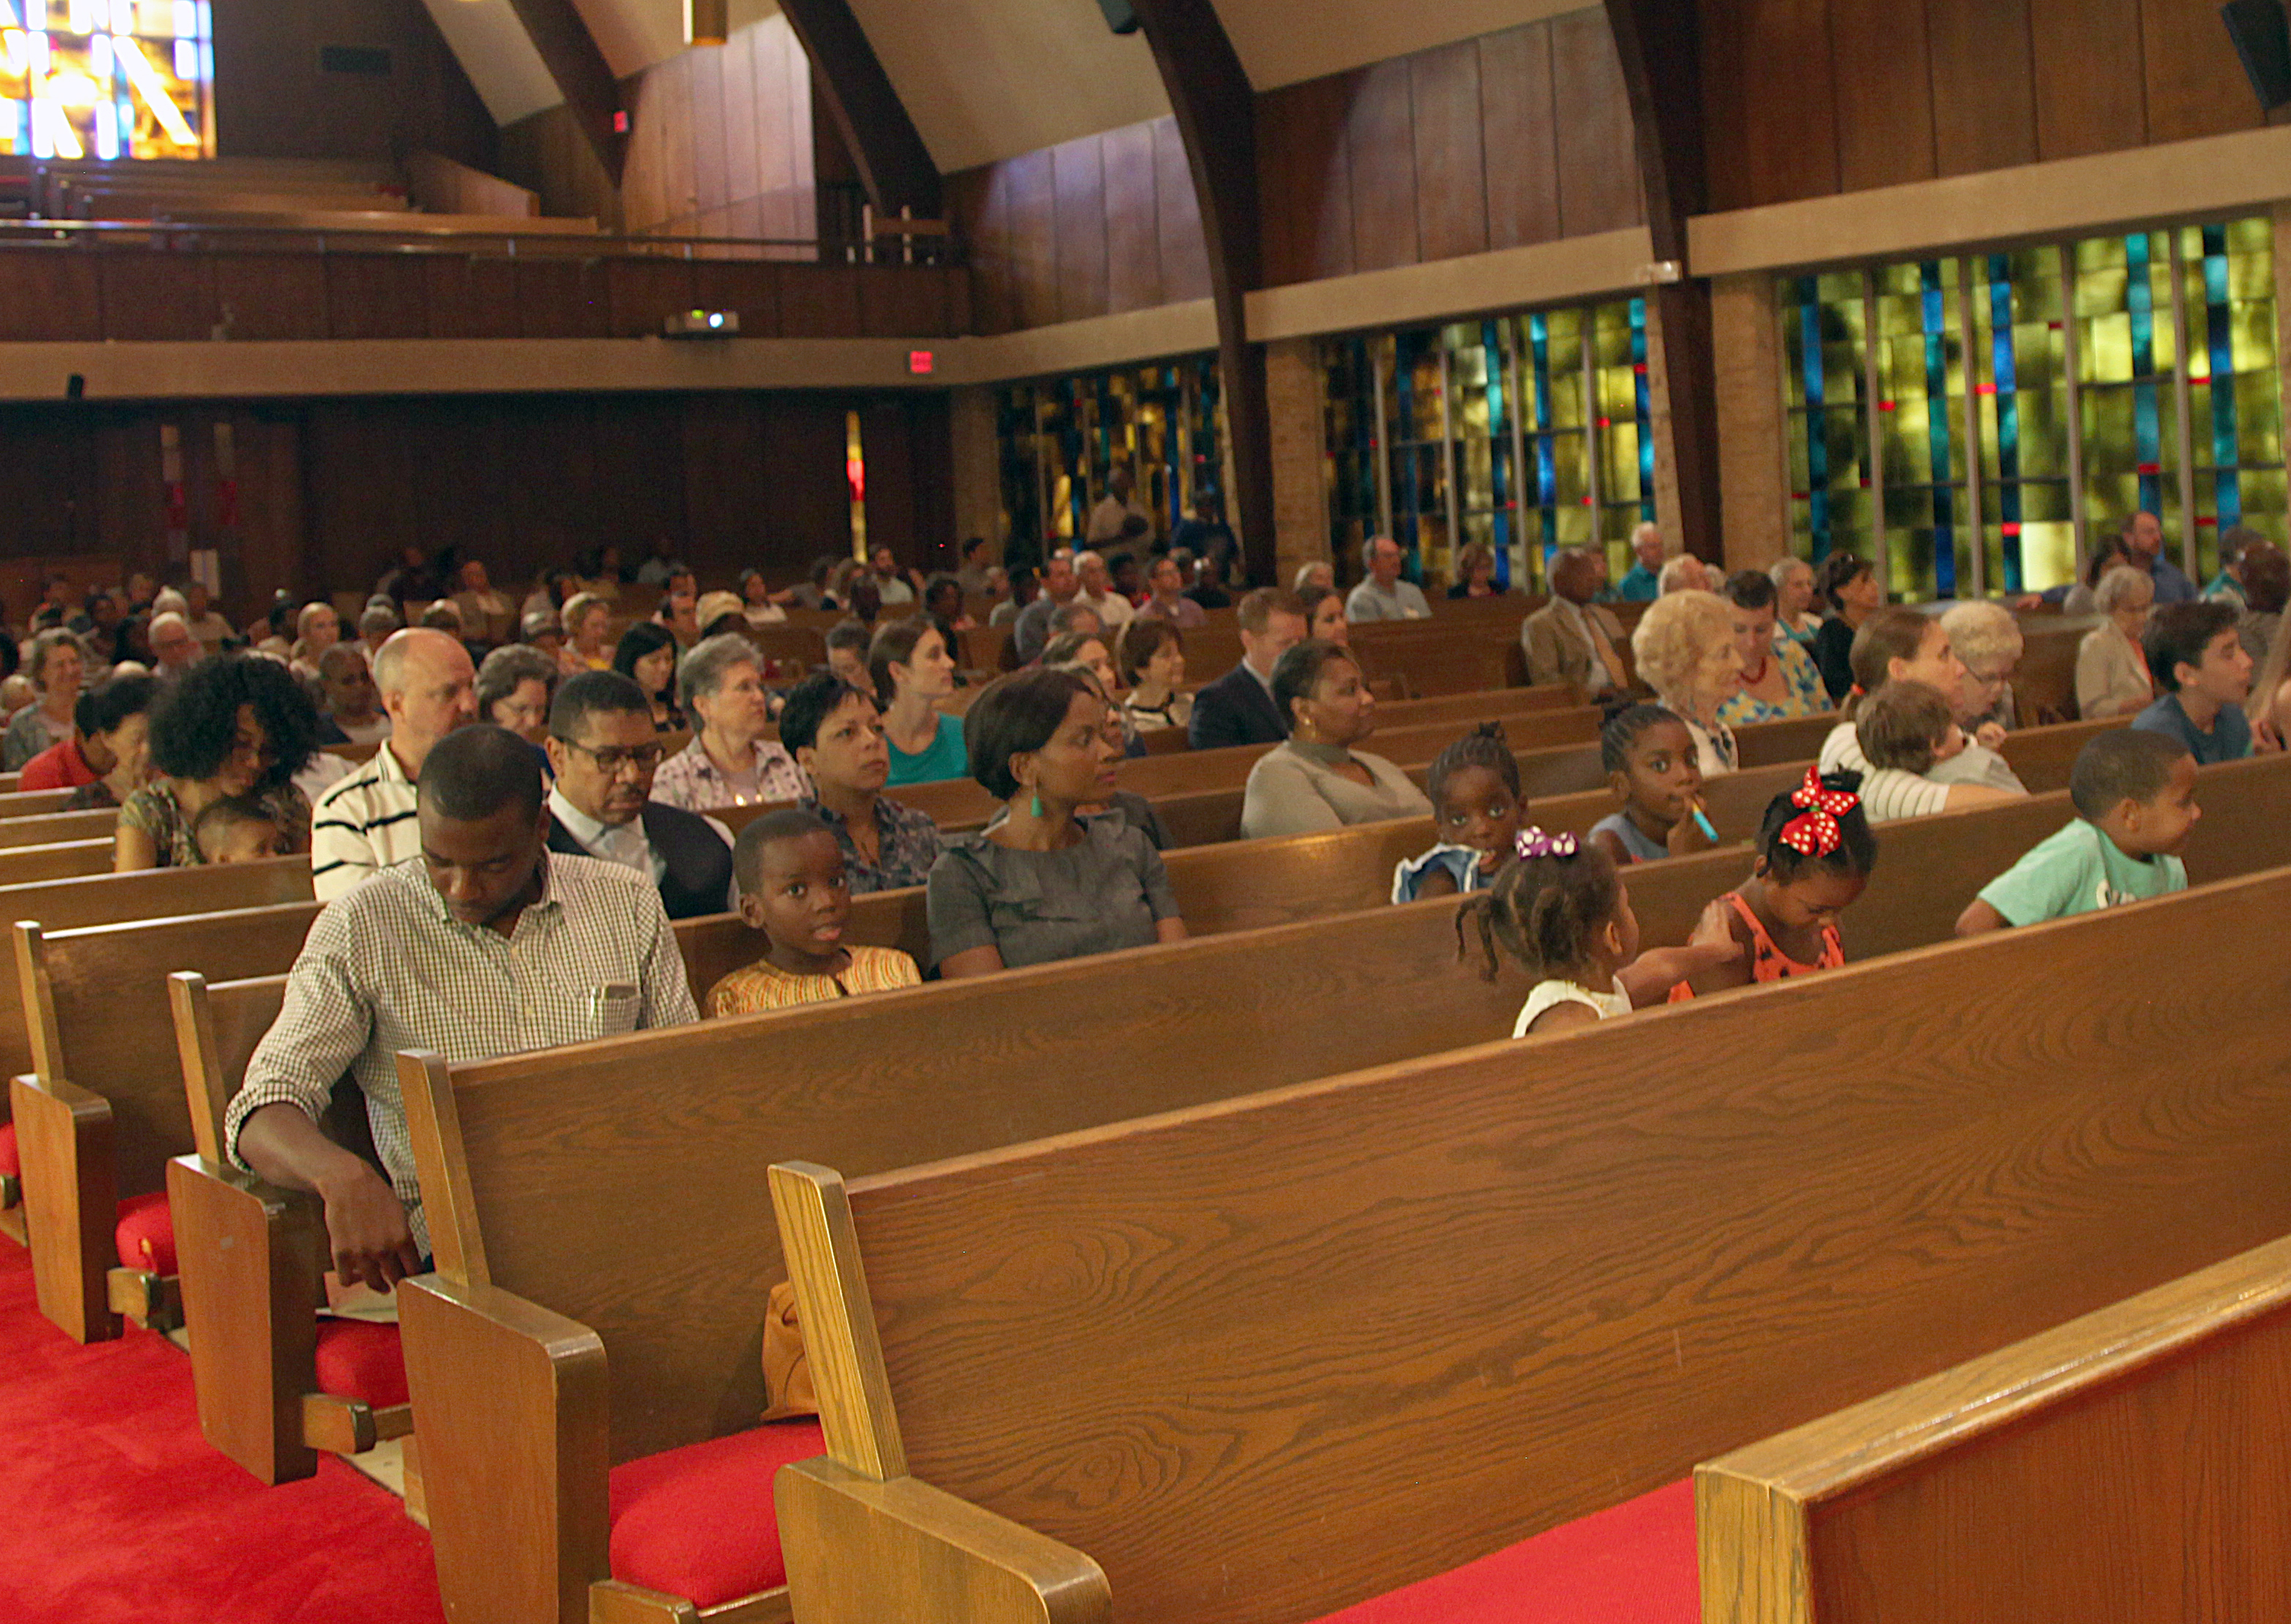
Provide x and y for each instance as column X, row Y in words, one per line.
column 1534, row 842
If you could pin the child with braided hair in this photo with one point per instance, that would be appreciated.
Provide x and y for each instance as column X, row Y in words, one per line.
column 1815, row 854
column 1474, row 786
column 1559, row 908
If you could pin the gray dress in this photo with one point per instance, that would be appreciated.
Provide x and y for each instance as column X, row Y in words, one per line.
column 1106, row 891
column 1296, row 789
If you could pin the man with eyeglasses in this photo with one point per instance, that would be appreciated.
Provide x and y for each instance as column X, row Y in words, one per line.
column 605, row 752
column 367, row 820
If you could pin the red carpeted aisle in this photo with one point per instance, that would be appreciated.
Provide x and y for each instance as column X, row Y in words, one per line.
column 113, row 1508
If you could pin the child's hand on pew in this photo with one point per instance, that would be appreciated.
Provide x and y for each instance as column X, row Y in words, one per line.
column 1713, row 946
column 1990, row 735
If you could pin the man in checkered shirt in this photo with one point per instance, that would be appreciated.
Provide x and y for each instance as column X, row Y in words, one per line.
column 485, row 944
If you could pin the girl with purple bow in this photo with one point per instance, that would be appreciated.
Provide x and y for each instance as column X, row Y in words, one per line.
column 1561, row 910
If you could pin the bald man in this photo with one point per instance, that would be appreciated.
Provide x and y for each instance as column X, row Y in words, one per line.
column 367, row 821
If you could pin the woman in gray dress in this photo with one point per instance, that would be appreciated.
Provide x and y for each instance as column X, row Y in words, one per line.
column 1317, row 780
column 1039, row 884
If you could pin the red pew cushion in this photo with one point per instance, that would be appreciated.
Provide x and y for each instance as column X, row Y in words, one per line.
column 698, row 1522
column 11, row 1165
column 146, row 1235
column 361, row 1359
column 1632, row 1563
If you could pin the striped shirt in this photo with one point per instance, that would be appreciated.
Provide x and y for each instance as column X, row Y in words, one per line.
column 364, row 821
column 388, row 968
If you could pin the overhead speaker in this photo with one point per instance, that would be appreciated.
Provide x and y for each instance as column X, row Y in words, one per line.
column 1120, row 16
column 2262, row 39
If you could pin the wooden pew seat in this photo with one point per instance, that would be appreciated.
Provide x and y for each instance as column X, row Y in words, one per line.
column 1269, row 1358
column 2128, row 1464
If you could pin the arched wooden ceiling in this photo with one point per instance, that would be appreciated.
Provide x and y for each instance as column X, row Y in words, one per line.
column 988, row 79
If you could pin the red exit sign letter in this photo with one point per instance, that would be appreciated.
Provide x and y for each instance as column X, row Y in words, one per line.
column 921, row 360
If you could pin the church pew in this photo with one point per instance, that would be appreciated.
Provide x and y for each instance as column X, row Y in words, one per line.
column 2128, row 1463
column 29, row 803
column 56, row 860
column 2043, row 683
column 618, row 1292
column 252, row 1257
column 153, row 893
column 9, row 782
column 102, row 1109
column 48, row 828
column 1273, row 1357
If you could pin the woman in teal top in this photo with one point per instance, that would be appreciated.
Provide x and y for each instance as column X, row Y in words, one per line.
column 913, row 672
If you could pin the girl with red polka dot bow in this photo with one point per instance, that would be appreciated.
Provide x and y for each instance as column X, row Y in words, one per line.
column 1815, row 852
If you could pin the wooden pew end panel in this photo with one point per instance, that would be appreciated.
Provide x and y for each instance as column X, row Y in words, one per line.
column 252, row 1256
column 515, row 1434
column 139, row 1296
column 64, row 1138
column 853, row 1544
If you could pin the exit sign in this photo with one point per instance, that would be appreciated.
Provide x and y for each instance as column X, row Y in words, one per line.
column 921, row 360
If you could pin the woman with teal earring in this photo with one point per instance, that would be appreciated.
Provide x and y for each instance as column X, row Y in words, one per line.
column 1041, row 883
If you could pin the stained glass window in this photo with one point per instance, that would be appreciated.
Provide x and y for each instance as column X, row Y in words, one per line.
column 2024, row 399
column 1062, row 438
column 106, row 79
column 1522, row 433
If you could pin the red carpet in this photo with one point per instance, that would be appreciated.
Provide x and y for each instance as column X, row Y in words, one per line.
column 113, row 1508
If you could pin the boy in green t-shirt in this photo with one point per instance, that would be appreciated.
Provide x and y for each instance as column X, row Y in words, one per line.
column 2134, row 793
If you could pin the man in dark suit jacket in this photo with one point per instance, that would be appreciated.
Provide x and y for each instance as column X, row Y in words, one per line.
column 1238, row 708
column 604, row 750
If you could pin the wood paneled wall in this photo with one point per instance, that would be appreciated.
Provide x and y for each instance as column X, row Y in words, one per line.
column 719, row 145
column 1809, row 98
column 1519, row 137
column 1094, row 226
column 68, row 293
column 273, row 102
column 328, row 492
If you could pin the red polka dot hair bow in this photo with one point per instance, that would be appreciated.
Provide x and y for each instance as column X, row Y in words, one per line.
column 1814, row 831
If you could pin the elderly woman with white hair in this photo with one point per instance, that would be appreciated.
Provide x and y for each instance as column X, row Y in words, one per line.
column 1686, row 651
column 1795, row 616
column 729, row 762
column 1683, row 573
column 54, row 666
column 2113, row 679
column 1988, row 643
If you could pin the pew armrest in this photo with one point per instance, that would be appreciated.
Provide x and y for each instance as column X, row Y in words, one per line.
column 64, row 1139
column 861, row 1550
column 251, row 1259
column 513, row 1409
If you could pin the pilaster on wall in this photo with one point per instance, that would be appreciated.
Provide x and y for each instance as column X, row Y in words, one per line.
column 1300, row 497
column 2282, row 216
column 977, row 469
column 1659, row 422
column 1753, row 451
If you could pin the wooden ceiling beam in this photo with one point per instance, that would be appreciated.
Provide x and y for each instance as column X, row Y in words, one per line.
column 582, row 75
column 882, row 137
column 1215, row 109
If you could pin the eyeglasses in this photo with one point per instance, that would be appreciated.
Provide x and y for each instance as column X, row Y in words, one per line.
column 612, row 758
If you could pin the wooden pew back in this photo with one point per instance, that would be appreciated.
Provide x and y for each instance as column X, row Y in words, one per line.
column 659, row 1246
column 103, row 991
column 2137, row 1452
column 57, row 861
column 48, row 828
column 1264, row 1358
column 156, row 893
column 29, row 802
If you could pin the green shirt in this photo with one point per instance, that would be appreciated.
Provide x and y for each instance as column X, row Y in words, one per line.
column 2078, row 870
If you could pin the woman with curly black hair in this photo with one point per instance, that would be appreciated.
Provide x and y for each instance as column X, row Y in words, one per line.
column 238, row 724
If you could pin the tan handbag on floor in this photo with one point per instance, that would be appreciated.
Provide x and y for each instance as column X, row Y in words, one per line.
column 787, row 1368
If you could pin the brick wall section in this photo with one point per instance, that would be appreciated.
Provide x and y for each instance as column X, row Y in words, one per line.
column 1300, row 499
column 1753, row 464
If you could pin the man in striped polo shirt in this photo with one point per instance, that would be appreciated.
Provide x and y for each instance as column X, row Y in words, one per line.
column 367, row 821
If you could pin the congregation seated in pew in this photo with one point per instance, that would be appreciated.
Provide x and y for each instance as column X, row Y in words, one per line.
column 912, row 670
column 1654, row 770
column 109, row 756
column 533, row 948
column 1239, row 708
column 837, row 736
column 234, row 725
column 2203, row 677
column 729, row 762
column 1042, row 883
column 366, row 821
column 606, row 753
column 1150, row 656
column 2134, row 794
column 1684, row 649
column 789, row 865
column 1902, row 645
column 1476, row 804
column 1315, row 780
